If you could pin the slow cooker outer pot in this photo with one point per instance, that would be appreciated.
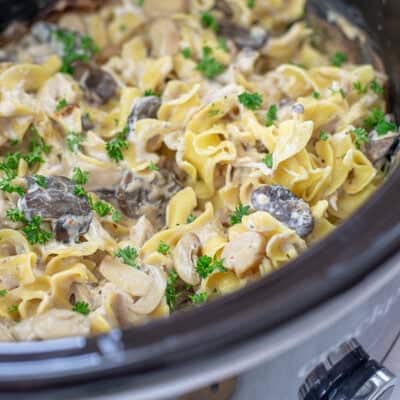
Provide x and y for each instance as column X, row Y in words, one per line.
column 328, row 269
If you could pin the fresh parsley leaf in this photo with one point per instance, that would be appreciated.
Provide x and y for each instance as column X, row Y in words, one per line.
column 14, row 142
column 209, row 66
column 140, row 2
column 360, row 88
column 251, row 3
column 252, row 101
column 208, row 21
column 74, row 141
column 80, row 191
column 34, row 233
column 222, row 44
column 13, row 309
column 338, row 59
column 163, row 248
column 360, row 136
column 115, row 146
column 376, row 121
column 206, row 265
column 268, row 160
column 3, row 292
column 323, row 135
column 116, row 216
column 199, row 298
column 81, row 307
column 272, row 115
column 80, row 177
column 10, row 164
column 190, row 219
column 61, row 104
column 128, row 255
column 186, row 52
column 239, row 213
column 8, row 187
column 376, row 87
column 385, row 127
column 102, row 208
column 316, row 95
column 149, row 92
column 170, row 292
column 37, row 148
column 40, row 180
column 153, row 167
column 15, row 215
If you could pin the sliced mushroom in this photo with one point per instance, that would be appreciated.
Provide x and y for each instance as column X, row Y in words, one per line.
column 379, row 147
column 145, row 107
column 147, row 194
column 244, row 253
column 283, row 205
column 57, row 203
column 149, row 302
column 129, row 279
column 98, row 85
column 164, row 37
column 185, row 258
column 254, row 38
column 53, row 324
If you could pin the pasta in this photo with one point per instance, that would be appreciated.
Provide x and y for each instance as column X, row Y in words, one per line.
column 159, row 154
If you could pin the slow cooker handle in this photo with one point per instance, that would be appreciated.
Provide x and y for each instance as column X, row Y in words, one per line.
column 348, row 374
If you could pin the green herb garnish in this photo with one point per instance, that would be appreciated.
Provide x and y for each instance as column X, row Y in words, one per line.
column 128, row 255
column 361, row 136
column 74, row 141
column 272, row 115
column 239, row 213
column 251, row 3
column 102, row 208
column 206, row 265
column 316, row 95
column 40, row 180
column 208, row 65
column 208, row 21
column 268, row 160
column 61, row 104
column 199, row 298
column 149, row 92
column 360, row 88
column 186, row 52
column 116, row 216
column 37, row 148
column 81, row 307
column 15, row 215
column 8, row 187
column 115, row 146
column 153, row 167
column 338, row 59
column 190, row 219
column 3, row 292
column 222, row 44
column 34, row 233
column 13, row 309
column 376, row 87
column 324, row 136
column 80, row 177
column 376, row 120
column 163, row 248
column 252, row 101
column 170, row 292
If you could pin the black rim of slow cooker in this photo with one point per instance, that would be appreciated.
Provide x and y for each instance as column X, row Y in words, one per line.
column 327, row 269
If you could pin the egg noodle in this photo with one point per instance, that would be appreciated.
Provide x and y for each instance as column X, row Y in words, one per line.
column 159, row 154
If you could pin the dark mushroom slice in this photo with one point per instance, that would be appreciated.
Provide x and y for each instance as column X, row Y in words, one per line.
column 145, row 107
column 380, row 147
column 147, row 195
column 71, row 215
column 283, row 205
column 254, row 38
column 98, row 85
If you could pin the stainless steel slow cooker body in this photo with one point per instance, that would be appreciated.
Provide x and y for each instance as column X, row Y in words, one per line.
column 278, row 329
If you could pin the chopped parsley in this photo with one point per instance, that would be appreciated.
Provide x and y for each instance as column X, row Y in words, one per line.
column 222, row 44
column 153, row 167
column 170, row 292
column 190, row 219
column 61, row 104
column 115, row 146
column 14, row 142
column 10, row 164
column 102, row 208
column 186, row 52
column 376, row 87
column 140, row 2
column 208, row 21
column 360, row 88
column 251, row 3
column 3, row 292
column 199, row 298
column 74, row 141
column 376, row 121
column 252, row 101
column 206, row 265
column 80, row 177
column 8, row 187
column 75, row 48
column 163, row 248
column 81, row 307
column 209, row 66
column 40, row 180
column 34, row 233
column 13, row 309
column 80, row 191
column 149, row 92
column 272, row 115
column 37, row 148
column 128, row 255
column 268, row 160
column 360, row 137
column 116, row 216
column 338, row 59
column 323, row 135
column 15, row 215
column 239, row 213
column 316, row 95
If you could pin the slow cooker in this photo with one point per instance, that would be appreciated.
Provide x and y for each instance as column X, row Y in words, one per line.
column 319, row 328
